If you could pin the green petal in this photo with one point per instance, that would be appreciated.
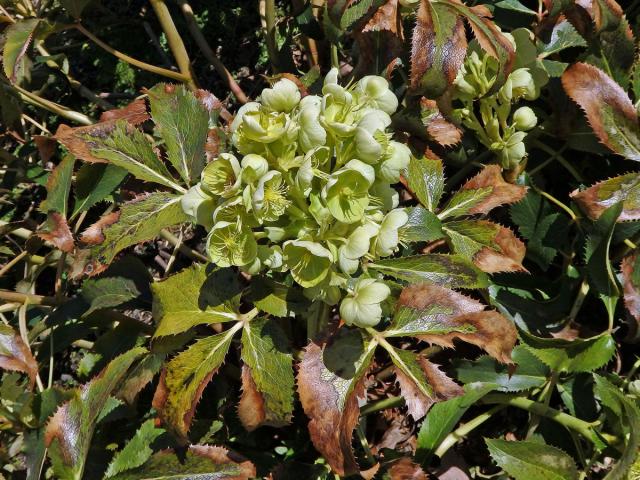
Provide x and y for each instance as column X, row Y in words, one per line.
column 309, row 262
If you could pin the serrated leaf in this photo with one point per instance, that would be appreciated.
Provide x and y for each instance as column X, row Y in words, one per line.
column 438, row 315
column 597, row 198
column 94, row 183
column 198, row 295
column 329, row 382
column 563, row 36
column 630, row 269
column 421, row 382
column 439, row 129
column 524, row 460
column 609, row 110
column 447, row 270
column 184, row 378
column 58, row 187
column 578, row 355
column 355, row 11
column 69, row 432
column 529, row 373
column 137, row 451
column 421, row 226
column 492, row 247
column 120, row 144
column 56, row 231
column 425, row 177
column 438, row 48
column 200, row 462
column 15, row 354
column 515, row 6
column 139, row 377
column 276, row 298
column 444, row 416
column 137, row 221
column 183, row 123
column 17, row 39
column 267, row 376
column 108, row 292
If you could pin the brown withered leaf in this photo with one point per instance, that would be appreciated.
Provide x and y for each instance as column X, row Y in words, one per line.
column 93, row 235
column 135, row 113
column 438, row 48
column 405, row 469
column 15, row 354
column 386, row 17
column 630, row 269
column 439, row 128
column 57, row 232
column 46, row 147
column 251, row 404
column 501, row 192
column 609, row 110
column 597, row 198
column 505, row 255
column 71, row 138
column 330, row 379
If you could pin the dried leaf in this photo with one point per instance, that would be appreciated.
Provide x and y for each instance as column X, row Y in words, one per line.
column 330, row 379
column 439, row 128
column 405, row 469
column 607, row 106
column 57, row 232
column 15, row 354
column 630, row 269
column 597, row 198
column 94, row 234
column 134, row 113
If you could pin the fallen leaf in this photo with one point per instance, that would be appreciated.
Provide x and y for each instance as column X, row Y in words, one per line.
column 405, row 469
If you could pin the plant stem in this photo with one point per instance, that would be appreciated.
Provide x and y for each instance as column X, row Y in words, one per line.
column 583, row 428
column 563, row 161
column 464, row 430
column 268, row 14
column 182, row 248
column 208, row 52
column 53, row 107
column 31, row 298
column 130, row 60
column 389, row 402
column 175, row 42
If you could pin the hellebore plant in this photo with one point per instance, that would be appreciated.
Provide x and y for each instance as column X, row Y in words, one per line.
column 309, row 191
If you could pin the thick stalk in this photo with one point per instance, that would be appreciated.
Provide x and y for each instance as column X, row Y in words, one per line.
column 175, row 41
column 53, row 107
column 207, row 51
column 464, row 430
column 268, row 16
column 31, row 298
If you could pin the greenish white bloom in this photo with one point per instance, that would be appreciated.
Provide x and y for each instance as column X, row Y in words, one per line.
column 199, row 206
column 356, row 247
column 376, row 90
column 253, row 167
column 309, row 262
column 370, row 139
column 282, row 97
column 231, row 244
column 395, row 160
column 524, row 119
column 346, row 192
column 362, row 306
column 269, row 200
column 387, row 239
column 222, row 176
column 311, row 133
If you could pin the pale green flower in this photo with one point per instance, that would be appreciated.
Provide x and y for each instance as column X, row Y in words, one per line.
column 269, row 200
column 309, row 262
column 370, row 139
column 356, row 247
column 222, row 176
column 376, row 91
column 512, row 151
column 387, row 239
column 282, row 97
column 362, row 306
column 347, row 191
column 384, row 195
column 253, row 167
column 522, row 84
column 524, row 119
column 311, row 134
column 231, row 244
column 396, row 159
column 233, row 209
column 199, row 206
column 246, row 108
column 264, row 127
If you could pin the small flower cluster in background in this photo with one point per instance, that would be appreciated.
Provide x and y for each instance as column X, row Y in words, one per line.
column 309, row 191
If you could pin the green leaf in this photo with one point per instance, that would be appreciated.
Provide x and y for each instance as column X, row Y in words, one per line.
column 329, row 382
column 451, row 271
column 525, row 460
column 201, row 462
column 183, row 123
column 463, row 202
column 529, row 373
column 75, row 7
column 186, row 376
column 579, row 355
column 94, row 183
column 625, row 412
column 58, row 187
column 444, row 416
column 515, row 6
column 108, row 292
column 17, row 39
column 421, row 226
column 267, row 377
column 564, row 35
column 137, row 451
column 425, row 178
column 197, row 295
column 357, row 10
column 597, row 198
column 69, row 431
column 137, row 221
column 276, row 298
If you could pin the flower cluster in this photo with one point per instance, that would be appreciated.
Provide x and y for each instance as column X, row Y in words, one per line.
column 309, row 191
column 497, row 128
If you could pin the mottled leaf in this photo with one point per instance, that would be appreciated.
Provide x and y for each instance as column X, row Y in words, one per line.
column 137, row 450
column 134, row 113
column 200, row 462
column 267, row 375
column 17, row 39
column 56, row 230
column 329, row 382
column 195, row 296
column 422, row 226
column 58, row 187
column 15, row 354
column 609, row 110
column 425, row 178
column 563, row 36
column 439, row 128
column 597, row 198
column 69, row 431
column 184, row 378
column 405, row 469
column 183, row 123
column 108, row 292
column 525, row 460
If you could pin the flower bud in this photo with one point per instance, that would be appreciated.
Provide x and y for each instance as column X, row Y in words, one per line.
column 362, row 306
column 388, row 238
column 253, row 167
column 282, row 97
column 199, row 206
column 395, row 160
column 522, row 84
column 524, row 119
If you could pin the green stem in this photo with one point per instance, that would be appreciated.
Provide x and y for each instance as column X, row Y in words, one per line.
column 269, row 25
column 563, row 161
column 130, row 60
column 175, row 42
column 464, row 430
column 335, row 60
column 583, row 428
column 53, row 107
